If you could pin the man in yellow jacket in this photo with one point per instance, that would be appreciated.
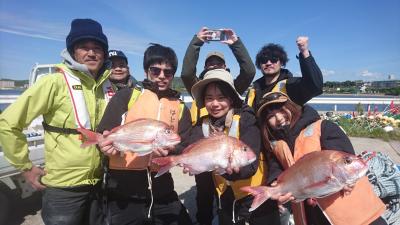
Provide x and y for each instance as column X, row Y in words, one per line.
column 75, row 96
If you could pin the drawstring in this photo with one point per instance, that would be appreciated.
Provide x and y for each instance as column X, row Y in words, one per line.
column 151, row 191
column 233, row 211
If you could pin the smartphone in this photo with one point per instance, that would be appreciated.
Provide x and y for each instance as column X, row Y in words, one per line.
column 216, row 35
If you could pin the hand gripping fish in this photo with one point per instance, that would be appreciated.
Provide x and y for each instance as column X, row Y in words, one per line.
column 216, row 152
column 315, row 175
column 140, row 136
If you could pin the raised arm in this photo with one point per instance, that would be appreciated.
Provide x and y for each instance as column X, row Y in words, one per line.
column 191, row 58
column 247, row 68
column 310, row 85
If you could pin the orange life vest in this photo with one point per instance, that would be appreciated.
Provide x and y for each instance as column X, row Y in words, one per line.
column 361, row 207
column 147, row 105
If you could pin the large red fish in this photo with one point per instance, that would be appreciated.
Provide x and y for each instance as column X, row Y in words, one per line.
column 315, row 175
column 216, row 152
column 140, row 136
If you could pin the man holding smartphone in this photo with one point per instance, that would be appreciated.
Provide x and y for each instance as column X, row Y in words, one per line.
column 214, row 60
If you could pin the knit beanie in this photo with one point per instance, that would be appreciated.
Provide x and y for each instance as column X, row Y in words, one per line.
column 85, row 29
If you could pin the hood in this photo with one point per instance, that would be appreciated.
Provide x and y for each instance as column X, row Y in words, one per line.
column 260, row 82
column 74, row 65
column 309, row 115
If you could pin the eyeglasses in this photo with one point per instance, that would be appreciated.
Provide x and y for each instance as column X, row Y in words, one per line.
column 155, row 71
column 272, row 59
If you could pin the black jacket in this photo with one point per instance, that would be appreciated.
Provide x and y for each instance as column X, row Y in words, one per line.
column 332, row 138
column 134, row 183
column 249, row 134
column 299, row 89
column 242, row 81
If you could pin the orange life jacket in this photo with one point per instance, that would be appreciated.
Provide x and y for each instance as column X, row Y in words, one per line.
column 361, row 207
column 147, row 105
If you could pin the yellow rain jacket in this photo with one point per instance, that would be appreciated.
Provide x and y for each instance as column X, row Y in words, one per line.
column 67, row 164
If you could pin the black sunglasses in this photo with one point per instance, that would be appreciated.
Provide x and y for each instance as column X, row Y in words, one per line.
column 272, row 59
column 155, row 71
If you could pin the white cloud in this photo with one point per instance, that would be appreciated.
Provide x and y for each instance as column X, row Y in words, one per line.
column 50, row 30
column 366, row 74
column 326, row 72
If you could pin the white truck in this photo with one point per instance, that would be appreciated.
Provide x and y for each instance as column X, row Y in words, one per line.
column 12, row 183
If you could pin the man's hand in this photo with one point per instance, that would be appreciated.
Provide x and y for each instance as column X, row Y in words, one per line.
column 231, row 36
column 203, row 34
column 302, row 44
column 347, row 189
column 282, row 199
column 33, row 177
column 160, row 152
column 106, row 146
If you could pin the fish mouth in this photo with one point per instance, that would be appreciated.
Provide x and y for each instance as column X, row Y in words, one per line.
column 174, row 142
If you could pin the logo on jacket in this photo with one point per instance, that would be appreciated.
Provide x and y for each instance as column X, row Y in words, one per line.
column 77, row 87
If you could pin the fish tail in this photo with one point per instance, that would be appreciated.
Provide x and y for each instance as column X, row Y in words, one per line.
column 166, row 164
column 260, row 194
column 91, row 137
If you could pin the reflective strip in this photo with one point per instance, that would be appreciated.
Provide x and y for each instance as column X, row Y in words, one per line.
column 234, row 129
column 251, row 97
column 280, row 87
column 82, row 118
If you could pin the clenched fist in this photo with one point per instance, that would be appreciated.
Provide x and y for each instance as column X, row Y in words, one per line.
column 302, row 44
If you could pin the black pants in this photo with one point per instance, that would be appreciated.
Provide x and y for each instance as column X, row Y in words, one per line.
column 205, row 198
column 128, row 211
column 68, row 206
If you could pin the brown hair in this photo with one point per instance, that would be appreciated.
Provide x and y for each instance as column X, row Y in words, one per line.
column 266, row 132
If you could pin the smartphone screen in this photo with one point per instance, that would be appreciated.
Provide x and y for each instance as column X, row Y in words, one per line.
column 216, row 35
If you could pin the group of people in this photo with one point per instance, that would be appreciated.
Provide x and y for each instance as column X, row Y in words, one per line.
column 101, row 185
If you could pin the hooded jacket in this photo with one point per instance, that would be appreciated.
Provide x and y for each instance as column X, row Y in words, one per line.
column 332, row 137
column 67, row 164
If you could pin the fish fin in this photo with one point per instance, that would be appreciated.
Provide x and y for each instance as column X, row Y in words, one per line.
column 91, row 137
column 139, row 149
column 143, row 153
column 220, row 171
column 166, row 164
column 260, row 194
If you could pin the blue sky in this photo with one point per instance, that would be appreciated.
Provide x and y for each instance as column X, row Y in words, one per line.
column 350, row 40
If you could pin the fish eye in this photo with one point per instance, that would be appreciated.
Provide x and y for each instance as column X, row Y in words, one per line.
column 347, row 160
column 167, row 131
column 245, row 149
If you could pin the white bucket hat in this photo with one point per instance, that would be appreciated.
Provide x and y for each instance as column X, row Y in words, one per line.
column 213, row 76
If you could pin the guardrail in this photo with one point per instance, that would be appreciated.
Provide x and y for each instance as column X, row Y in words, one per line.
column 4, row 99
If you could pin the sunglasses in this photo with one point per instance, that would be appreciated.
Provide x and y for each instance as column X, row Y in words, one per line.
column 272, row 59
column 155, row 71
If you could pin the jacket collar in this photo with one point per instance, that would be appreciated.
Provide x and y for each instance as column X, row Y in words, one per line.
column 74, row 65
